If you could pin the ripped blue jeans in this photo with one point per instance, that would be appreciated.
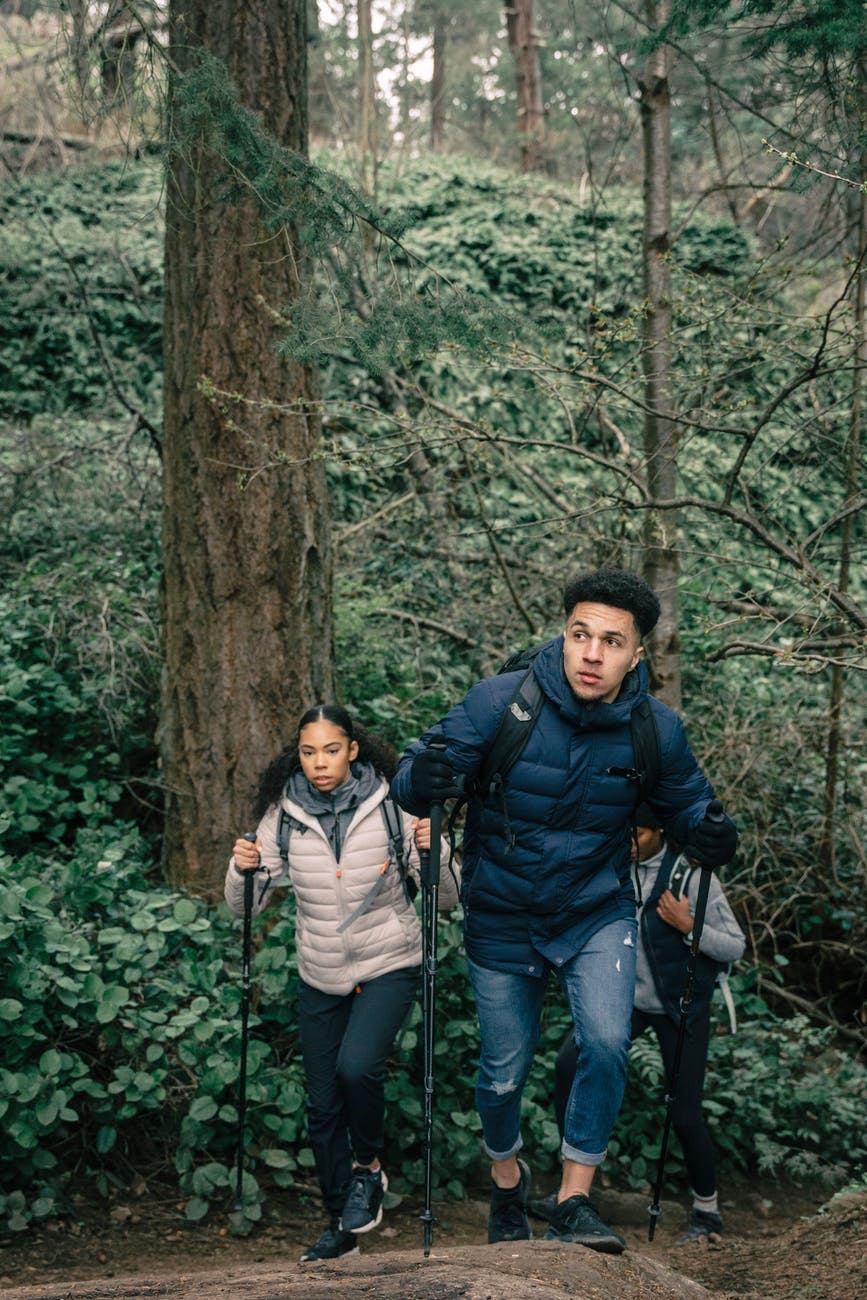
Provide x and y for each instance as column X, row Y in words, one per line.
column 599, row 983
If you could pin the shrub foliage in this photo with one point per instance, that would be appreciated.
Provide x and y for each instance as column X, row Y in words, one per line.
column 119, row 998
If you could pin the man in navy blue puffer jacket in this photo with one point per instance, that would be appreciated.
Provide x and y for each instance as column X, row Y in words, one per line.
column 553, row 891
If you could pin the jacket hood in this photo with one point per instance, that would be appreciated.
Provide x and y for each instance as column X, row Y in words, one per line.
column 361, row 782
column 334, row 812
column 598, row 714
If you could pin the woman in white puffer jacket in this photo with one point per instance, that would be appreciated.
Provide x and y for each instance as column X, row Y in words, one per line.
column 351, row 857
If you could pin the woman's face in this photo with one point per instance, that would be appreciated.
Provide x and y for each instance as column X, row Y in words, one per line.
column 326, row 752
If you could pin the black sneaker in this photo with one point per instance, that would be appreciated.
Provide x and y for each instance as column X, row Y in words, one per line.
column 703, row 1224
column 507, row 1216
column 331, row 1245
column 576, row 1220
column 362, row 1209
column 543, row 1208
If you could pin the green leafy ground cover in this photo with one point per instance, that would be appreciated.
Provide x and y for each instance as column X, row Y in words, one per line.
column 119, row 1018
column 120, row 997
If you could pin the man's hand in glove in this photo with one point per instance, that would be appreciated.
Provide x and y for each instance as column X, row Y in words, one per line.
column 714, row 840
column 433, row 777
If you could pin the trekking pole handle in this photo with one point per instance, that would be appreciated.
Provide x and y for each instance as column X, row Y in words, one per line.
column 430, row 858
column 713, row 813
column 250, row 837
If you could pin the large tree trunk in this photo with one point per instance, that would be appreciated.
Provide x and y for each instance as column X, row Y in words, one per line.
column 247, row 564
column 366, row 98
column 438, row 84
column 319, row 109
column 661, row 565
column 524, row 45
column 851, row 482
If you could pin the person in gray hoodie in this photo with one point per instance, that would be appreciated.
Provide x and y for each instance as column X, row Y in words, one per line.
column 329, row 829
column 666, row 884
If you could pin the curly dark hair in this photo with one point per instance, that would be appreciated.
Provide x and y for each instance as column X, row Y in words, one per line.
column 618, row 588
column 381, row 756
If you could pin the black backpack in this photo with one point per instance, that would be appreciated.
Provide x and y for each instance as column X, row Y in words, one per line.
column 521, row 715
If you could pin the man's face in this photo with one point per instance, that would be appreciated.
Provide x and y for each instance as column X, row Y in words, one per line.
column 600, row 646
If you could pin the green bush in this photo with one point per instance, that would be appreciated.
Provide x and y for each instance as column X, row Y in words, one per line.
column 120, row 1000
column 81, row 256
column 71, row 737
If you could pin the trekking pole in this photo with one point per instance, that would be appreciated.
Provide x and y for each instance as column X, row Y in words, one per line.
column 245, row 1015
column 430, row 881
column 714, row 814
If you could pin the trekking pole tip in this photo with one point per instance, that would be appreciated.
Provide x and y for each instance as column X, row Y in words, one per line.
column 428, row 1219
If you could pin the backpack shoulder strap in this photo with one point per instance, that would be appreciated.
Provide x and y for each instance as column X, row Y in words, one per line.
column 645, row 747
column 286, row 823
column 680, row 875
column 284, row 826
column 391, row 816
column 396, row 853
column 513, row 732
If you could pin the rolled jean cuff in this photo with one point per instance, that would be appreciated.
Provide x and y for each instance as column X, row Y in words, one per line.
column 582, row 1157
column 503, row 1155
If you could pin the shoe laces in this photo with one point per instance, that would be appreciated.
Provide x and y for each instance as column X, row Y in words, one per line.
column 509, row 1209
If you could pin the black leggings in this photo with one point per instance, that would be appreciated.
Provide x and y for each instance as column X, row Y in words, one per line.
column 346, row 1040
column 687, row 1119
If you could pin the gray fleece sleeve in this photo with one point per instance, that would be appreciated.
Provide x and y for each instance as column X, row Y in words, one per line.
column 722, row 939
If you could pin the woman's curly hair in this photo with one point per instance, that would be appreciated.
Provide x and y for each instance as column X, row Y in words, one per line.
column 378, row 753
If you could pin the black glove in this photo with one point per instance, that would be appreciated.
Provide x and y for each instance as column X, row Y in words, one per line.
column 714, row 840
column 432, row 777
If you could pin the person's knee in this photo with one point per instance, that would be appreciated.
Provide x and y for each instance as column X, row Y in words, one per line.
column 354, row 1072
column 503, row 1086
column 686, row 1119
column 606, row 1049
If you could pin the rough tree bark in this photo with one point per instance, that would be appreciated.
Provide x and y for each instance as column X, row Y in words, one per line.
column 661, row 565
column 852, row 474
column 524, row 45
column 247, row 568
column 438, row 84
column 366, row 98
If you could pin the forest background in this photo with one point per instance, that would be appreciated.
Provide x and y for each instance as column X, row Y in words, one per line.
column 333, row 339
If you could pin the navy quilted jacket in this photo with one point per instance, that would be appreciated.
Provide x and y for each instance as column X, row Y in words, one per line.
column 568, row 872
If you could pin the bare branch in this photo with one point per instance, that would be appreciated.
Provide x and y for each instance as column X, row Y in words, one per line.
column 387, row 509
column 464, row 639
column 819, row 656
column 771, row 990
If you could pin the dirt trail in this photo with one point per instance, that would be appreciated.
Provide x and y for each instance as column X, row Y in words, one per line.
column 510, row 1271
column 145, row 1250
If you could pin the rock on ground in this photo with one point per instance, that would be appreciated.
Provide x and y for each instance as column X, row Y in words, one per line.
column 538, row 1270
